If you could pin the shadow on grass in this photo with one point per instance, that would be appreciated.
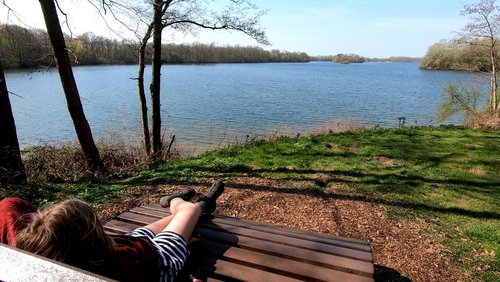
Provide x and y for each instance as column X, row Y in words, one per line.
column 379, row 179
column 388, row 179
column 369, row 199
column 201, row 170
column 360, row 198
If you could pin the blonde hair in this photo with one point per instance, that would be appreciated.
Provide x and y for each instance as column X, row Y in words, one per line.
column 69, row 232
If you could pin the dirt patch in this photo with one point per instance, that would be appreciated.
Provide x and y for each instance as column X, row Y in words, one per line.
column 383, row 160
column 477, row 170
column 322, row 179
column 334, row 147
column 340, row 149
column 476, row 146
column 461, row 203
column 400, row 252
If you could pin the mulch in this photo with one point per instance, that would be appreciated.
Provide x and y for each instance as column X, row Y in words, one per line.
column 401, row 252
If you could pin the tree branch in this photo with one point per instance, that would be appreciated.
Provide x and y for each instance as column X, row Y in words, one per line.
column 65, row 17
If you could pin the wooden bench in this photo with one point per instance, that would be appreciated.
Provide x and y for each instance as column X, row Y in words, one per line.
column 226, row 248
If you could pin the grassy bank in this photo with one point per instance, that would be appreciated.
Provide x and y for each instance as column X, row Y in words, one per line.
column 446, row 180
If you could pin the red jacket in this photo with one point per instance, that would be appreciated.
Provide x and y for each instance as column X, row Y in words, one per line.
column 135, row 259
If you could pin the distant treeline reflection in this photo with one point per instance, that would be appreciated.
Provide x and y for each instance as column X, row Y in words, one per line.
column 25, row 48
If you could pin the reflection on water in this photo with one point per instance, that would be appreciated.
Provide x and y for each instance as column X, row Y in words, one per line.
column 213, row 105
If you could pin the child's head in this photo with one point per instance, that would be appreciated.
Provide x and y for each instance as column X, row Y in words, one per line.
column 69, row 232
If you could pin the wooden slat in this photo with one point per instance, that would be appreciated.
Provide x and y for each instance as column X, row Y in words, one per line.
column 119, row 227
column 226, row 270
column 283, row 251
column 283, row 266
column 234, row 249
column 304, row 244
column 296, row 234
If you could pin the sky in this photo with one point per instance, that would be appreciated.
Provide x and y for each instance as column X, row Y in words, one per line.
column 370, row 28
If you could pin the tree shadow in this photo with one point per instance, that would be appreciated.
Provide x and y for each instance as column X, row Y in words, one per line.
column 383, row 273
column 340, row 196
column 371, row 199
column 363, row 177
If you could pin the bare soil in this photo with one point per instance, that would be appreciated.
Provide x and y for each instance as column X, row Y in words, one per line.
column 400, row 251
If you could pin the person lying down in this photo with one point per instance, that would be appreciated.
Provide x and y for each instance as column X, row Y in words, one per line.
column 70, row 232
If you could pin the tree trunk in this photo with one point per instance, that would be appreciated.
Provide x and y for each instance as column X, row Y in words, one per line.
column 155, row 80
column 142, row 97
column 11, row 164
column 493, row 90
column 69, row 85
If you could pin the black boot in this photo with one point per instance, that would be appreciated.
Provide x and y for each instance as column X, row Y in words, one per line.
column 210, row 199
column 185, row 195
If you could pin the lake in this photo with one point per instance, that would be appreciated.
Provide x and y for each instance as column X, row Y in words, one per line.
column 209, row 105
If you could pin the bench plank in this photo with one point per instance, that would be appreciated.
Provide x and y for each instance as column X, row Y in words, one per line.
column 290, row 267
column 283, row 251
column 229, row 270
column 229, row 248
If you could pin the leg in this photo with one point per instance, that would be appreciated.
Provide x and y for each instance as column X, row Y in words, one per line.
column 159, row 225
column 172, row 235
column 179, row 227
column 185, row 215
column 185, row 218
column 182, row 221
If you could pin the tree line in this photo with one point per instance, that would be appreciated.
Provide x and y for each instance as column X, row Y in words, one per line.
column 354, row 58
column 26, row 48
column 210, row 53
column 459, row 56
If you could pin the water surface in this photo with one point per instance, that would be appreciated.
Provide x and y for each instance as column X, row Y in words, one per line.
column 212, row 104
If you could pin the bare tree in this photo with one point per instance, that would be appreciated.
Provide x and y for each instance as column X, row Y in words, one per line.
column 156, row 76
column 69, row 85
column 184, row 16
column 141, row 62
column 11, row 164
column 483, row 30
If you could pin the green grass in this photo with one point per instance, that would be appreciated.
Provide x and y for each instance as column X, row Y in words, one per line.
column 449, row 176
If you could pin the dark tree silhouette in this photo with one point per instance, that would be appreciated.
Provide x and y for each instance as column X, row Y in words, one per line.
column 11, row 164
column 75, row 107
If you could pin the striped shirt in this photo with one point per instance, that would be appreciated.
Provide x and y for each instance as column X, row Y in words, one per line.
column 171, row 247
